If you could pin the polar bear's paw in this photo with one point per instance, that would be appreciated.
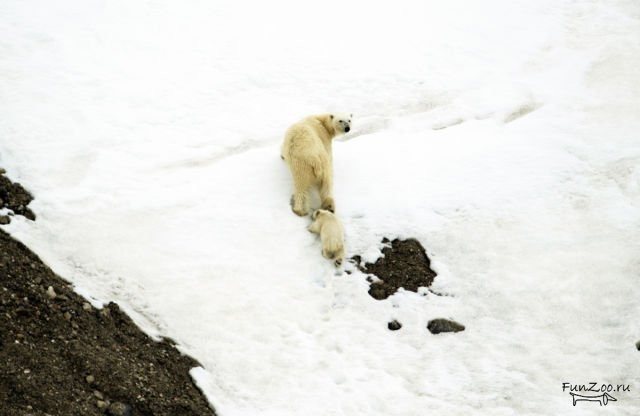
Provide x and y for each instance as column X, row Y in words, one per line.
column 329, row 204
column 299, row 205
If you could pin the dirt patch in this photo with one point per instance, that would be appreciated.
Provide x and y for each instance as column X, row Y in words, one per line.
column 404, row 263
column 61, row 356
column 15, row 197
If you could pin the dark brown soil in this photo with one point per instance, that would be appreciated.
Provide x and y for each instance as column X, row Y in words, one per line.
column 403, row 264
column 61, row 356
column 15, row 197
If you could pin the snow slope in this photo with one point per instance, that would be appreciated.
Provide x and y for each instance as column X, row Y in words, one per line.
column 502, row 135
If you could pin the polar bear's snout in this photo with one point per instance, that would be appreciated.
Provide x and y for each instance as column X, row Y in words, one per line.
column 344, row 125
column 341, row 122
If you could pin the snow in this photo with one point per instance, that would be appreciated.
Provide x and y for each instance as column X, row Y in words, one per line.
column 502, row 135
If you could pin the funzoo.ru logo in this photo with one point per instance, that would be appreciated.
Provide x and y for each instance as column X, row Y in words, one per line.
column 594, row 388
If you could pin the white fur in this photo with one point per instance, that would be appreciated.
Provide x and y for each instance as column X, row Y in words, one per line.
column 307, row 151
column 331, row 232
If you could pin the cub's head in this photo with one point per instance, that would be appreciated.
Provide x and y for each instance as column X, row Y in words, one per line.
column 341, row 122
column 321, row 213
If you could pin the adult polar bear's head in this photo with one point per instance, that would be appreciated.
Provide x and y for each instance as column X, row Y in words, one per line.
column 341, row 122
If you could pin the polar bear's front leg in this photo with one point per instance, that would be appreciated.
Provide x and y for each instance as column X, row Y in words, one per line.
column 328, row 204
column 326, row 194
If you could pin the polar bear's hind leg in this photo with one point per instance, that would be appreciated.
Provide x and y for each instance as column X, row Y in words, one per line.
column 302, row 180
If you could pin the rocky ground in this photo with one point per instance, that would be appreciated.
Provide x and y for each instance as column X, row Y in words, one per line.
column 60, row 356
column 404, row 264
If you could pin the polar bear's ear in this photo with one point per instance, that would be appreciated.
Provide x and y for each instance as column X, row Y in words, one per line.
column 331, row 115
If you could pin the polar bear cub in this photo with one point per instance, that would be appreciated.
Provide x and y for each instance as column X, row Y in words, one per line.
column 328, row 226
column 307, row 151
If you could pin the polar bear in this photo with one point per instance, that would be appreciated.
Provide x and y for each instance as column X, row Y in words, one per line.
column 327, row 224
column 307, row 151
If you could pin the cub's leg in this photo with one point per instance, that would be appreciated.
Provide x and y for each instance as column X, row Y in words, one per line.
column 339, row 257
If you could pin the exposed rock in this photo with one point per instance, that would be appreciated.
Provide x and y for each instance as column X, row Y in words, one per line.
column 436, row 326
column 51, row 293
column 119, row 409
column 394, row 325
